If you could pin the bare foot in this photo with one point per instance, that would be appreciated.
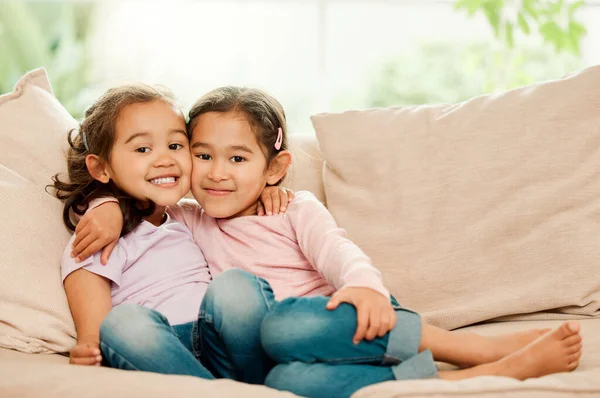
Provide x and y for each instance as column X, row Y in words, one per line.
column 553, row 352
column 504, row 345
column 492, row 348
column 556, row 351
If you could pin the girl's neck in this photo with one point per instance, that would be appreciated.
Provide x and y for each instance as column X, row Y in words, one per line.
column 158, row 217
column 250, row 211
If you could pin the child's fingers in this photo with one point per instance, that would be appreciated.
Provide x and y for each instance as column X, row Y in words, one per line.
column 374, row 324
column 84, row 361
column 333, row 303
column 268, row 204
column 107, row 251
column 79, row 237
column 83, row 245
column 387, row 324
column 81, row 225
column 275, row 207
column 362, row 320
column 85, row 350
column 283, row 199
column 290, row 194
column 260, row 210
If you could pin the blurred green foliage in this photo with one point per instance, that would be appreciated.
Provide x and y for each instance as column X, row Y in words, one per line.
column 452, row 72
column 49, row 34
column 553, row 20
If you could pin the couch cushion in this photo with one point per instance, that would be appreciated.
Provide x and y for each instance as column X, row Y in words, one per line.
column 34, row 315
column 33, row 376
column 306, row 173
column 476, row 210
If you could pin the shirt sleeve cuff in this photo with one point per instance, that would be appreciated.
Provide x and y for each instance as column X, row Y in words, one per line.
column 366, row 277
column 100, row 201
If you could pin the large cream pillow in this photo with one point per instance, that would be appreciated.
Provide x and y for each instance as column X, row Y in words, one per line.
column 34, row 314
column 478, row 210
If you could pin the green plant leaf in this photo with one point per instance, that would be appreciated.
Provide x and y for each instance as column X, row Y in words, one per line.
column 510, row 40
column 523, row 23
column 470, row 5
column 573, row 7
column 553, row 33
column 493, row 17
column 529, row 7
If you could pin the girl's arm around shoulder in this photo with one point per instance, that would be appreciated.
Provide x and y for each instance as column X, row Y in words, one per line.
column 186, row 211
column 341, row 262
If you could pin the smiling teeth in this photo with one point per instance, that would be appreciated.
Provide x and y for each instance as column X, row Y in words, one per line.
column 164, row 180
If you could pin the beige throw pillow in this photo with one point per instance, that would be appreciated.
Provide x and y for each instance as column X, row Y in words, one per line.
column 476, row 210
column 34, row 314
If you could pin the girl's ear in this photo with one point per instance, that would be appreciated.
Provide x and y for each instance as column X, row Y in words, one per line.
column 97, row 168
column 279, row 167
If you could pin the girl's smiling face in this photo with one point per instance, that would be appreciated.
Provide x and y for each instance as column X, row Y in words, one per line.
column 150, row 158
column 229, row 167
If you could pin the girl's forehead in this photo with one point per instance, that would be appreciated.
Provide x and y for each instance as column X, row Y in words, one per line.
column 223, row 126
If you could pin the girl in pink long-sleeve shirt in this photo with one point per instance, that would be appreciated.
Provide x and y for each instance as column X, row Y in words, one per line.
column 295, row 261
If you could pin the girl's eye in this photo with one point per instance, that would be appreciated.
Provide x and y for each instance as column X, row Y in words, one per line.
column 203, row 156
column 237, row 159
column 143, row 149
column 175, row 147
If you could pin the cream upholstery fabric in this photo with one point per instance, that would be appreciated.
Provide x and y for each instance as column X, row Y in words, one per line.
column 476, row 210
column 34, row 315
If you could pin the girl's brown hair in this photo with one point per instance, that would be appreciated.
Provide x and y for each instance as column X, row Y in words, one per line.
column 264, row 113
column 98, row 130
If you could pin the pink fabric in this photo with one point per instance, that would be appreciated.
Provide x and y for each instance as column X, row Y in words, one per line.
column 161, row 268
column 301, row 253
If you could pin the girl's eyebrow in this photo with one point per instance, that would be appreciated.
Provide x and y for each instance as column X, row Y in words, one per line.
column 145, row 134
column 242, row 148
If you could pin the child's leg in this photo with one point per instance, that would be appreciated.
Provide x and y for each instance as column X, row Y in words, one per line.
column 302, row 329
column 469, row 349
column 133, row 337
column 557, row 351
column 318, row 380
column 230, row 317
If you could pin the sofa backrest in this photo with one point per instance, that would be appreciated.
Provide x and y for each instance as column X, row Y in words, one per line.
column 306, row 173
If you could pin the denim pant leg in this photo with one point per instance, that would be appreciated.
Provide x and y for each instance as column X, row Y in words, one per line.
column 230, row 318
column 303, row 330
column 133, row 337
column 321, row 380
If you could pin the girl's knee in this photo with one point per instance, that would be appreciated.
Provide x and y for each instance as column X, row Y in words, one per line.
column 131, row 325
column 291, row 328
column 238, row 294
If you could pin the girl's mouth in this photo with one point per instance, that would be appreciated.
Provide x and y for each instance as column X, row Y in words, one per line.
column 217, row 192
column 164, row 182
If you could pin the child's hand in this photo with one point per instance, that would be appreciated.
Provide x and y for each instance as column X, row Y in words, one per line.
column 274, row 200
column 85, row 354
column 375, row 315
column 99, row 228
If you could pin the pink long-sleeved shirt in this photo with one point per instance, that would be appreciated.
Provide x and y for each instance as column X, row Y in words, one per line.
column 300, row 253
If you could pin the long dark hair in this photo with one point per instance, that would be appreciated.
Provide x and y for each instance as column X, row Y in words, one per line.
column 263, row 112
column 98, row 128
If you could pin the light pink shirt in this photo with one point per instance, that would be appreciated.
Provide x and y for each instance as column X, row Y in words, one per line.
column 161, row 268
column 300, row 253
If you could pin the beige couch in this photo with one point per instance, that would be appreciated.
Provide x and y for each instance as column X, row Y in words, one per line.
column 485, row 212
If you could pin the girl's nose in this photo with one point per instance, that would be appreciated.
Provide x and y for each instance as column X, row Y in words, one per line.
column 164, row 159
column 217, row 172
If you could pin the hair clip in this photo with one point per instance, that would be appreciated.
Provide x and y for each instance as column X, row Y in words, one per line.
column 84, row 139
column 279, row 140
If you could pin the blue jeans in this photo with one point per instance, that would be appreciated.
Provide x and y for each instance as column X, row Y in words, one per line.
column 223, row 343
column 317, row 357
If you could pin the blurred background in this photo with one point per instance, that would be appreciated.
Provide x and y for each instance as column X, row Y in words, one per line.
column 313, row 55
